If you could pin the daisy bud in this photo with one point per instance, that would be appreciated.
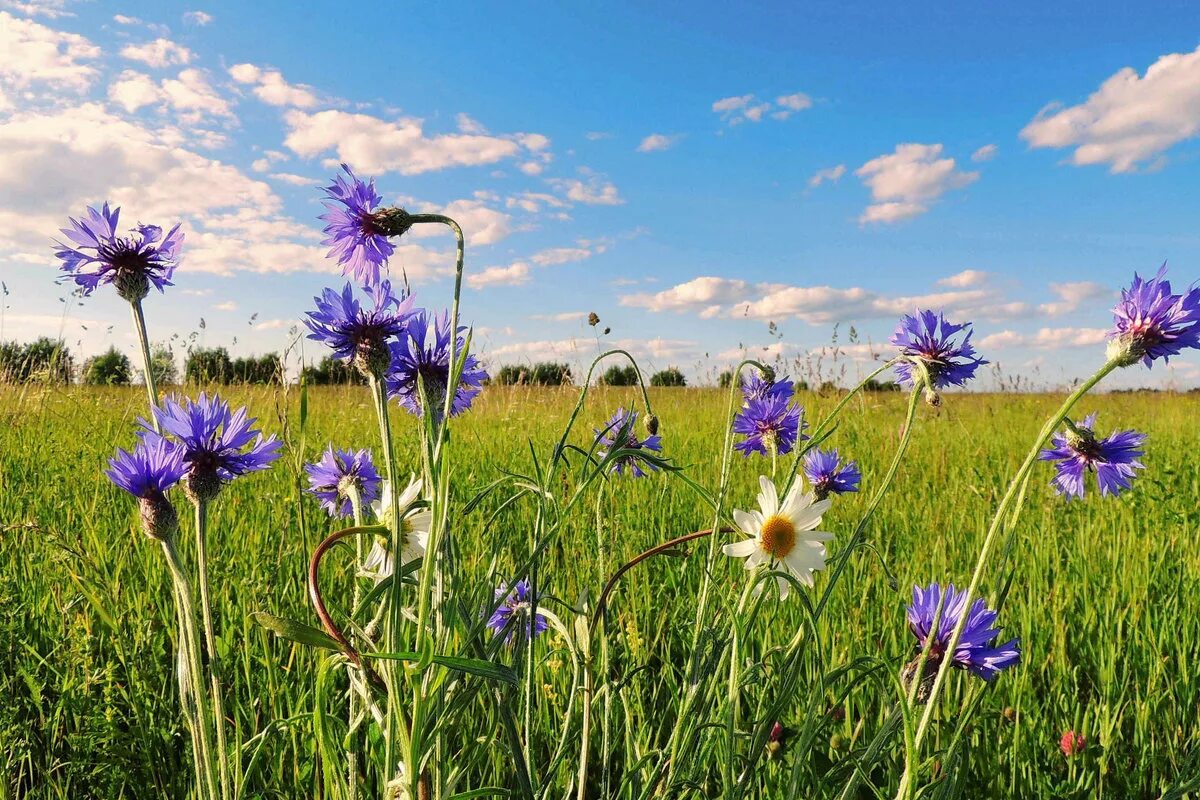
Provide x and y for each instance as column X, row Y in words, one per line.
column 159, row 520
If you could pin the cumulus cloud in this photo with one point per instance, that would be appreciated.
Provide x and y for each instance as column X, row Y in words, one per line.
column 376, row 145
column 34, row 53
column 965, row 279
column 985, row 153
column 657, row 141
column 562, row 316
column 189, row 94
column 905, row 182
column 158, row 54
column 830, row 175
column 1130, row 120
column 593, row 190
column 200, row 18
column 1072, row 295
column 50, row 9
column 514, row 274
column 694, row 295
column 741, row 108
column 1045, row 339
column 272, row 89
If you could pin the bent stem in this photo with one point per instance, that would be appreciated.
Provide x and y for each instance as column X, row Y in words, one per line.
column 210, row 641
column 139, row 325
column 981, row 562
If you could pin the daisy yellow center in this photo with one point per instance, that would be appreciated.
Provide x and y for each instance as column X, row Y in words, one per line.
column 778, row 536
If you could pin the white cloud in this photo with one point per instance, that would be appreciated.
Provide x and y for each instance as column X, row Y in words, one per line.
column 122, row 19
column 200, row 18
column 1072, row 295
column 694, row 295
column 595, row 136
column 562, row 316
column 272, row 89
column 739, row 108
column 294, row 180
column 903, row 183
column 50, row 9
column 481, row 224
column 1129, row 120
column 1045, row 339
column 228, row 305
column 794, row 102
column 275, row 324
column 533, row 201
column 158, row 54
column 531, row 168
column 594, row 191
column 190, row 95
column 36, row 53
column 831, row 174
column 375, row 145
column 514, row 274
column 985, row 153
column 560, row 255
column 965, row 279
column 657, row 141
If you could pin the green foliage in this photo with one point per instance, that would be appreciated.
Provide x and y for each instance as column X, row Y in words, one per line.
column 162, row 363
column 207, row 365
column 265, row 369
column 110, row 368
column 725, row 379
column 332, row 372
column 874, row 385
column 617, row 375
column 668, row 377
column 543, row 373
column 43, row 360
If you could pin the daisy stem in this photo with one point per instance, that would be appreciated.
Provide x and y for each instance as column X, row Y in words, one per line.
column 139, row 325
column 985, row 551
column 210, row 642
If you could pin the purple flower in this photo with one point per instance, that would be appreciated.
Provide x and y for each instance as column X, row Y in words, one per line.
column 153, row 467
column 218, row 444
column 514, row 610
column 1114, row 459
column 977, row 650
column 757, row 388
column 770, row 424
column 131, row 263
column 331, row 477
column 424, row 352
column 930, row 337
column 357, row 233
column 356, row 334
column 620, row 433
column 1151, row 323
column 828, row 474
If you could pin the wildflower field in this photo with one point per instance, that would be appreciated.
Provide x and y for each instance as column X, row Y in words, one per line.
column 1101, row 594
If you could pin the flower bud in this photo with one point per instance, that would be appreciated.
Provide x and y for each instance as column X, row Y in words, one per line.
column 1126, row 350
column 651, row 422
column 933, row 397
column 768, row 374
column 159, row 520
column 392, row 221
column 202, row 484
column 132, row 284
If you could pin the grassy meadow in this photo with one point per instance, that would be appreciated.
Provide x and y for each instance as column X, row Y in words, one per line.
column 1105, row 593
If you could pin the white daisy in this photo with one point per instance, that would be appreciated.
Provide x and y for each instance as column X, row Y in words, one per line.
column 783, row 533
column 414, row 527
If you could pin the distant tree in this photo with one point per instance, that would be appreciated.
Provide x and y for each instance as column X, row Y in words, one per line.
column 801, row 386
column 873, row 385
column 671, row 376
column 43, row 360
column 828, row 387
column 110, row 368
column 549, row 373
column 10, row 362
column 208, row 365
column 330, row 371
column 162, row 364
column 260, row 370
column 620, row 376
column 510, row 375
column 725, row 379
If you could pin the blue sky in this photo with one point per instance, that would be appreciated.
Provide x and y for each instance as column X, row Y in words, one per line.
column 708, row 183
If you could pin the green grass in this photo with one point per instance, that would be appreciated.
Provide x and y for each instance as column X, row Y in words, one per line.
column 1104, row 595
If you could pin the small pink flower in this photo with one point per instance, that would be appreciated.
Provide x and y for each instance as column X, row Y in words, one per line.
column 1072, row 743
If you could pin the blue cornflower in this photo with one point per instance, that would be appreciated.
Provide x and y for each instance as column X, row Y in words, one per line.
column 828, row 474
column 424, row 351
column 131, row 263
column 930, row 337
column 331, row 477
column 758, row 388
column 1151, row 323
column 1114, row 459
column 512, row 615
column 771, row 425
column 977, row 650
column 218, row 444
column 153, row 467
column 356, row 334
column 357, row 232
column 620, row 433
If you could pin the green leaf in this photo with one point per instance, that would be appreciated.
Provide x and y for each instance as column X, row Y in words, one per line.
column 295, row 631
column 473, row 666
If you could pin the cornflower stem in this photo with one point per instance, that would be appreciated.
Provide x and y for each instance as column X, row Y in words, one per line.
column 355, row 702
column 210, row 642
column 998, row 523
column 190, row 644
column 139, row 325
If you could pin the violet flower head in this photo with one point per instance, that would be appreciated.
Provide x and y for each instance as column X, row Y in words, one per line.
column 423, row 352
column 153, row 467
column 620, row 432
column 1114, row 459
column 131, row 263
column 756, row 387
column 513, row 616
column 356, row 334
column 357, row 233
column 332, row 477
column 1150, row 322
column 828, row 474
column 218, row 444
column 771, row 424
column 932, row 339
column 977, row 650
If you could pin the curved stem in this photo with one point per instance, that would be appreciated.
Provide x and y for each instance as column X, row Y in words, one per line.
column 210, row 641
column 139, row 325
